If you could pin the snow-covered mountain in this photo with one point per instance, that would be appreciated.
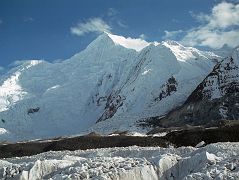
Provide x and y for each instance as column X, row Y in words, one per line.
column 109, row 86
column 216, row 98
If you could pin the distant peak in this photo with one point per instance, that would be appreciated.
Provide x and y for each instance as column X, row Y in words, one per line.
column 171, row 42
column 226, row 46
column 235, row 54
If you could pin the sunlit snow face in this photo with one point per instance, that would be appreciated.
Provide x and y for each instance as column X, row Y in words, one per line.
column 136, row 44
column 146, row 71
column 11, row 90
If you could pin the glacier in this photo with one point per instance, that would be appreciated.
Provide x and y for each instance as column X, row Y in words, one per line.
column 214, row 161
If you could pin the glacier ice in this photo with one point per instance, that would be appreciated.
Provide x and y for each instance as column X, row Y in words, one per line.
column 214, row 161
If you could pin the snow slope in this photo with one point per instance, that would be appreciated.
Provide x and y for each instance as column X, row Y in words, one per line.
column 109, row 82
column 215, row 161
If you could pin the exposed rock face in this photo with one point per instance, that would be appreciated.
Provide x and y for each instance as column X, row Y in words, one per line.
column 215, row 99
column 167, row 89
column 33, row 110
column 114, row 101
column 204, row 112
column 223, row 80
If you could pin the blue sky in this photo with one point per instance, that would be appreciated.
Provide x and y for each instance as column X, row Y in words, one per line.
column 57, row 29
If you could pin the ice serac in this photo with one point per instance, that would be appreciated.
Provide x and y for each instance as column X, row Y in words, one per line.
column 214, row 100
column 108, row 83
column 215, row 161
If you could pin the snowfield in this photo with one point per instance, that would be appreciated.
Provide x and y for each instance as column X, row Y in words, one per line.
column 214, row 161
